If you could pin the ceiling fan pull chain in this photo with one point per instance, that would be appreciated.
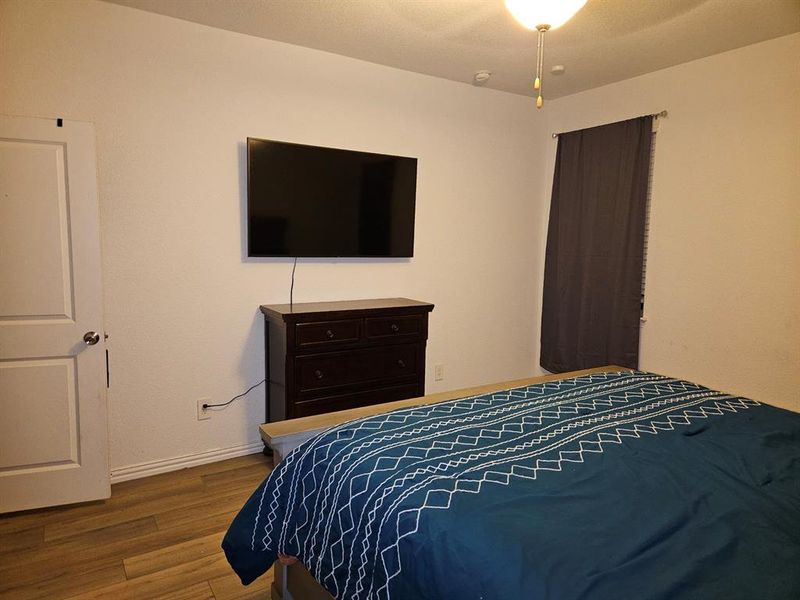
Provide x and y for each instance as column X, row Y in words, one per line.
column 538, row 82
column 540, row 66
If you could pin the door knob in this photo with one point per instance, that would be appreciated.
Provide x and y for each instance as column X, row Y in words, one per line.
column 91, row 338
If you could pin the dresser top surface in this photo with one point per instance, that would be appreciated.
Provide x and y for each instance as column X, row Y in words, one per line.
column 302, row 308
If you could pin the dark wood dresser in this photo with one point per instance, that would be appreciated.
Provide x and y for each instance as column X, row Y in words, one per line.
column 326, row 356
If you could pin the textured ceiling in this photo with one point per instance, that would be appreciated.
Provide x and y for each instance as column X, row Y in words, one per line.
column 607, row 41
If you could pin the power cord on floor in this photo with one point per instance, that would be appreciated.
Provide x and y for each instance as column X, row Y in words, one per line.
column 243, row 394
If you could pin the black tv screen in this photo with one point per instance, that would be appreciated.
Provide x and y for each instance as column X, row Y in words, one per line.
column 325, row 202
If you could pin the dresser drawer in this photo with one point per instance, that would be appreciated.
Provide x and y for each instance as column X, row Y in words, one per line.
column 327, row 333
column 336, row 369
column 342, row 401
column 403, row 327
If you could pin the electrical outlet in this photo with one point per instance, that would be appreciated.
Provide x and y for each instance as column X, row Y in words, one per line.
column 438, row 372
column 203, row 413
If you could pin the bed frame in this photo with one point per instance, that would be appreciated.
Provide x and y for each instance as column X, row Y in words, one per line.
column 294, row 582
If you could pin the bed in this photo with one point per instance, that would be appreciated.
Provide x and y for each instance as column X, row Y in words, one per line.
column 605, row 483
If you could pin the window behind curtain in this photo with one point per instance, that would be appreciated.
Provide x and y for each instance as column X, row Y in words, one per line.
column 648, row 206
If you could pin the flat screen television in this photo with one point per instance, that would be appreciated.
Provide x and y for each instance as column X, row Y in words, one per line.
column 307, row 201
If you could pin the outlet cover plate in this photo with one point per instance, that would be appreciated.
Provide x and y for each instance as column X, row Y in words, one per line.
column 203, row 415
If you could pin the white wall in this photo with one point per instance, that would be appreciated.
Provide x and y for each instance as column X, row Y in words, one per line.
column 723, row 274
column 173, row 103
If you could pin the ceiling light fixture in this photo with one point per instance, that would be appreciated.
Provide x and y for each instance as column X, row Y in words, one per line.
column 542, row 15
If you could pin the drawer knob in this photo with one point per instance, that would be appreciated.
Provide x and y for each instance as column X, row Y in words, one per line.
column 395, row 327
column 318, row 374
column 401, row 363
column 330, row 334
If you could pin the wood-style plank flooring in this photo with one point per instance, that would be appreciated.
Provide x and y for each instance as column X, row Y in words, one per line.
column 155, row 538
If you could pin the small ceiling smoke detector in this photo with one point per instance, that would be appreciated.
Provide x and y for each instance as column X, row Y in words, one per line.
column 558, row 70
column 481, row 77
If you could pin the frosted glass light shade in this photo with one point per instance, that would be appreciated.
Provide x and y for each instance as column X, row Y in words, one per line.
column 531, row 13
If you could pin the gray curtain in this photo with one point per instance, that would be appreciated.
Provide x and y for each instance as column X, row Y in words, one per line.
column 595, row 245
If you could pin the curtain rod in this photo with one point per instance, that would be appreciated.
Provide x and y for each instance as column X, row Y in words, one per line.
column 658, row 115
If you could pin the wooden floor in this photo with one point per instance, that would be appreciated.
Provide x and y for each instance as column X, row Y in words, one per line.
column 155, row 538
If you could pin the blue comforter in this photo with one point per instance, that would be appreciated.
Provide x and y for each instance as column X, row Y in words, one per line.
column 612, row 485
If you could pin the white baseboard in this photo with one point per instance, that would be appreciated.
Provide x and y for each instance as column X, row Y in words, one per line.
column 182, row 462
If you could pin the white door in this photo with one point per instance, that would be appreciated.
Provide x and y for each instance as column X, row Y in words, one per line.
column 53, row 424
